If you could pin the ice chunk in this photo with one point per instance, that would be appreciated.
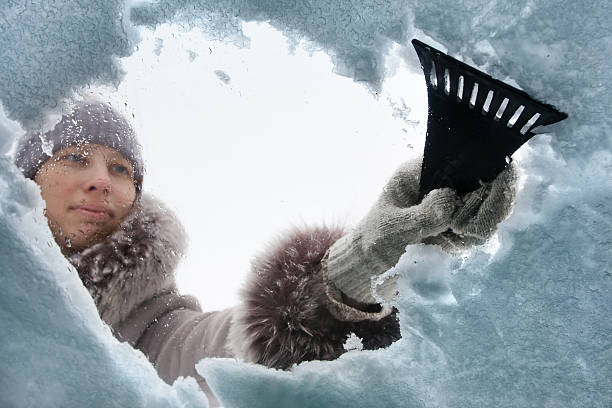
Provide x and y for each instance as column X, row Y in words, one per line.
column 192, row 55
column 159, row 45
column 222, row 75
column 353, row 343
column 47, row 145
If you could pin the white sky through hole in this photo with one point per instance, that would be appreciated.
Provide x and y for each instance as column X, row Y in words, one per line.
column 285, row 142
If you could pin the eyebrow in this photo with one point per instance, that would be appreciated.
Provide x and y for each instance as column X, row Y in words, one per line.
column 113, row 155
column 119, row 157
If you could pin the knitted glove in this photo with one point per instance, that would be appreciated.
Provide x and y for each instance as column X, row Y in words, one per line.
column 481, row 210
column 398, row 219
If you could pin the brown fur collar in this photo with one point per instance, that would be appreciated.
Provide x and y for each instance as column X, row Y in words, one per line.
column 135, row 263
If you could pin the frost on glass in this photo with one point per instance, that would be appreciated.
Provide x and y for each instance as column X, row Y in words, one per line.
column 523, row 321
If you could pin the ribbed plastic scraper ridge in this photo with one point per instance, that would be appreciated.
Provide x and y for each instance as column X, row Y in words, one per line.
column 475, row 123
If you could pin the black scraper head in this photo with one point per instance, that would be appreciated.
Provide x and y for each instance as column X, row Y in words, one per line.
column 475, row 123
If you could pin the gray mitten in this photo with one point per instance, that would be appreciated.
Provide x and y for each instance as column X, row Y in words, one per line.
column 398, row 220
column 486, row 207
column 395, row 221
column 479, row 214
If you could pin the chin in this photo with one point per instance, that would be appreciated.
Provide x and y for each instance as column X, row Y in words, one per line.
column 84, row 239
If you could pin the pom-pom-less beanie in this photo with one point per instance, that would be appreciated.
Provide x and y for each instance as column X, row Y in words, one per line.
column 90, row 123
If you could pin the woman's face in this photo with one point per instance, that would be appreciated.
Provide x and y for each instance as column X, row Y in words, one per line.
column 88, row 191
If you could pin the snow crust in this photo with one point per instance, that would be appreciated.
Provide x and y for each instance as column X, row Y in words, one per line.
column 523, row 321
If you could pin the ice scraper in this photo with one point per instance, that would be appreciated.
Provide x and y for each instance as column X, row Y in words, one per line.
column 475, row 123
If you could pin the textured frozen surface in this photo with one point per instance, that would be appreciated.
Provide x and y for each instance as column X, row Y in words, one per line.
column 522, row 322
column 357, row 34
column 50, row 47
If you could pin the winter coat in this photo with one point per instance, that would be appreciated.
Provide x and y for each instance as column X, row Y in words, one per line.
column 286, row 314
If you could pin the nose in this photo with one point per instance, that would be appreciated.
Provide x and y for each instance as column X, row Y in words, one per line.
column 98, row 180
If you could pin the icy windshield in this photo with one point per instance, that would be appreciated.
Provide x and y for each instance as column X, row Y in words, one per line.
column 255, row 117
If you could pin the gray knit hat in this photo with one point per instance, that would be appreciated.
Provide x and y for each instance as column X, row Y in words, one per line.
column 90, row 123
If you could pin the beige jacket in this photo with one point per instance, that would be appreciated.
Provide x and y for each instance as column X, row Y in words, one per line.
column 286, row 314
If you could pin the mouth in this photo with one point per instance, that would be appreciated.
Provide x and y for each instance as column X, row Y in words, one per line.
column 93, row 212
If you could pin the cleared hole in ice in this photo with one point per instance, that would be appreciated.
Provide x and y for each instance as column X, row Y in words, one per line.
column 516, row 116
column 433, row 78
column 474, row 95
column 487, row 104
column 460, row 89
column 446, row 81
column 502, row 109
column 530, row 123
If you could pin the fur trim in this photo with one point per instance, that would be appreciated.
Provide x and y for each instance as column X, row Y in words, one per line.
column 285, row 315
column 135, row 263
column 284, row 318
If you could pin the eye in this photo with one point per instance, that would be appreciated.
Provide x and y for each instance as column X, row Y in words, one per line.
column 120, row 169
column 74, row 158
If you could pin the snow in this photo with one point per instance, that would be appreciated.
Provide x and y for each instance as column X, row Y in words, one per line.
column 523, row 321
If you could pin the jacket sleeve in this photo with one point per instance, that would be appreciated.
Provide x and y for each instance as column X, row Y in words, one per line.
column 174, row 334
column 289, row 313
column 286, row 316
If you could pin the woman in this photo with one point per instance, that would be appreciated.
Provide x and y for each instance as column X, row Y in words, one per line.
column 307, row 292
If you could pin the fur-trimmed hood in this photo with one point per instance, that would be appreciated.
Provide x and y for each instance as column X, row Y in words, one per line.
column 135, row 263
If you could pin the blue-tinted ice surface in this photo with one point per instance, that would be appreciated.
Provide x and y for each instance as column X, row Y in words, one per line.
column 50, row 47
column 525, row 321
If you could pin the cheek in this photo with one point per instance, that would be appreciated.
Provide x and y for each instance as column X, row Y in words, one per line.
column 125, row 196
column 55, row 191
column 54, row 194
